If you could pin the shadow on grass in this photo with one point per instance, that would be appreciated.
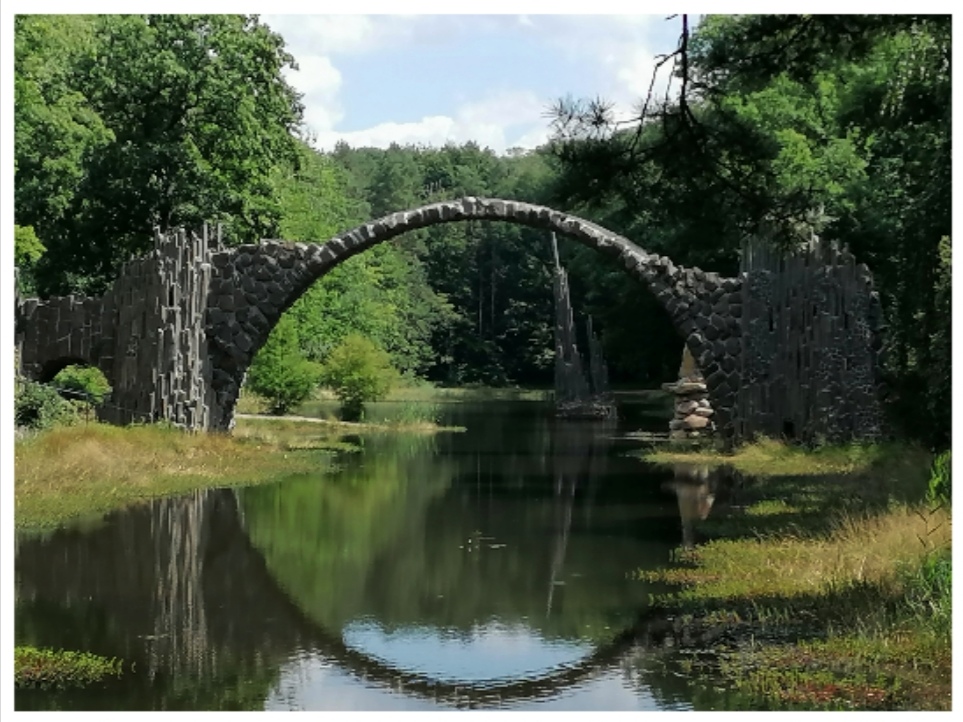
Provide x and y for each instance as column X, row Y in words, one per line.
column 806, row 506
column 784, row 652
column 874, row 641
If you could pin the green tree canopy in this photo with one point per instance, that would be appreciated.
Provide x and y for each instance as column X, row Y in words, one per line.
column 126, row 122
column 778, row 117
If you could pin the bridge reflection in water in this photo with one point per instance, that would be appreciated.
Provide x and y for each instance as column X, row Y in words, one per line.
column 220, row 599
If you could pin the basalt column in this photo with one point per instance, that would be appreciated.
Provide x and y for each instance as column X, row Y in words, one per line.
column 812, row 338
column 161, row 370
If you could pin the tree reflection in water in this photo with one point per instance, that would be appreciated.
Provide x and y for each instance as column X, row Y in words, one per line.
column 530, row 525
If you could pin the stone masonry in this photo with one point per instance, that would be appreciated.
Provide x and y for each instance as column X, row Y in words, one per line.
column 146, row 334
column 176, row 333
column 693, row 411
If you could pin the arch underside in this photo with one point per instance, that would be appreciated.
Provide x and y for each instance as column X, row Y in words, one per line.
column 252, row 285
column 54, row 366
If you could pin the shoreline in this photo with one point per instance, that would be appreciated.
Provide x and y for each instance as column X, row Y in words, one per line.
column 805, row 592
column 360, row 426
column 77, row 474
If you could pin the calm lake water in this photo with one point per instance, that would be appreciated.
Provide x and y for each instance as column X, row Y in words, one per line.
column 490, row 568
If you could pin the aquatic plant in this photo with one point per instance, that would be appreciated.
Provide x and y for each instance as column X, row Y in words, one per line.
column 59, row 669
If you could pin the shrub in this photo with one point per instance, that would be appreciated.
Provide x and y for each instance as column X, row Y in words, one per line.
column 280, row 372
column 83, row 382
column 358, row 371
column 38, row 406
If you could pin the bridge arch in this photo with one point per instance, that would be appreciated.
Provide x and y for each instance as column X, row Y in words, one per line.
column 55, row 365
column 252, row 285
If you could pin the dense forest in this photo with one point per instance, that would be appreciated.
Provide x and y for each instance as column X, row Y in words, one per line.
column 778, row 125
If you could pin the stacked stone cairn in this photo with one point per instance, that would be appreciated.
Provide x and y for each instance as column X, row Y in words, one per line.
column 693, row 412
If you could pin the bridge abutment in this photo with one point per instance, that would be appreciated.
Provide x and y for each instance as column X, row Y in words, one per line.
column 145, row 333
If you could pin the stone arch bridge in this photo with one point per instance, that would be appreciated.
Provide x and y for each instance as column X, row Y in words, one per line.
column 177, row 331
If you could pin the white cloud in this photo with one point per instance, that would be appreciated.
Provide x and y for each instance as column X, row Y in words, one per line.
column 622, row 49
column 320, row 82
column 430, row 130
column 615, row 51
column 325, row 34
column 498, row 121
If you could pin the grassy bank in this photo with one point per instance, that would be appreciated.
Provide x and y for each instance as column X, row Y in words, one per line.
column 767, row 457
column 416, row 402
column 82, row 472
column 267, row 425
column 823, row 583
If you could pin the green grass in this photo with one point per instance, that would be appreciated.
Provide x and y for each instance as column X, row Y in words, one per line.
column 830, row 572
column 49, row 669
column 767, row 457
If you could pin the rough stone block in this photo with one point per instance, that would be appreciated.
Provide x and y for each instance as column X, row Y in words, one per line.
column 222, row 260
column 717, row 377
column 687, row 388
column 324, row 255
column 695, row 421
column 287, row 259
column 729, row 363
column 721, row 307
column 243, row 342
column 264, row 273
column 684, row 408
column 432, row 215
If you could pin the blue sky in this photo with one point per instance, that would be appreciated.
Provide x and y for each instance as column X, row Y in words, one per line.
column 378, row 79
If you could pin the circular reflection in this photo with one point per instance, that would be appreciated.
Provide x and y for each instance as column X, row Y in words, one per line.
column 487, row 652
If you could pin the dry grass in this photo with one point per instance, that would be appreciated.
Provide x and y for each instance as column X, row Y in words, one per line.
column 85, row 471
column 827, row 565
column 864, row 550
